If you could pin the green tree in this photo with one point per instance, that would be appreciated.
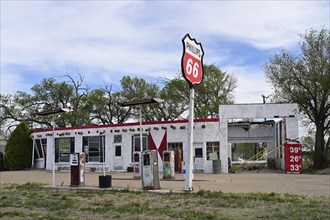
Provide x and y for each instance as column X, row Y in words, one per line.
column 18, row 152
column 99, row 106
column 305, row 80
column 176, row 95
column 138, row 89
column 217, row 88
column 104, row 108
column 49, row 94
column 308, row 144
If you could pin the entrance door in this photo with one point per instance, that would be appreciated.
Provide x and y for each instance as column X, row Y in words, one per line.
column 118, row 162
column 198, row 157
column 44, row 148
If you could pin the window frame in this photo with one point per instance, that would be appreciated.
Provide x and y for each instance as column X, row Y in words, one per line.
column 38, row 148
column 98, row 145
column 116, row 148
column 136, row 143
column 59, row 150
column 210, row 148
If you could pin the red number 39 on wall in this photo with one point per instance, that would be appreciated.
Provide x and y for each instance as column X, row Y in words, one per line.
column 293, row 158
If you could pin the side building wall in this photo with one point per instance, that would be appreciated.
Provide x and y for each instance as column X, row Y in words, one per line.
column 288, row 112
column 119, row 142
column 112, row 146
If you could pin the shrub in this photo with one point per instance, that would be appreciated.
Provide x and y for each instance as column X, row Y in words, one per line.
column 18, row 152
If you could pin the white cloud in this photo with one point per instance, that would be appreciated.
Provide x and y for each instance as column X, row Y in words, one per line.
column 251, row 84
column 105, row 38
column 264, row 24
column 11, row 82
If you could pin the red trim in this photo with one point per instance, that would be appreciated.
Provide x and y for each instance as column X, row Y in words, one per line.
column 152, row 145
column 162, row 147
column 126, row 124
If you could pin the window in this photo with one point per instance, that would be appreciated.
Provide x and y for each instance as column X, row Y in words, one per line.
column 39, row 146
column 63, row 148
column 118, row 151
column 212, row 150
column 94, row 148
column 117, row 138
column 136, row 143
column 174, row 145
column 198, row 152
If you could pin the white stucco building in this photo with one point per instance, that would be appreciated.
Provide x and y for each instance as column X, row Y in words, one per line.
column 113, row 145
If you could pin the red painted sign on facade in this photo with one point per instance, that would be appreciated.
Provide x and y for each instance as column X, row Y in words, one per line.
column 192, row 61
column 162, row 147
column 293, row 158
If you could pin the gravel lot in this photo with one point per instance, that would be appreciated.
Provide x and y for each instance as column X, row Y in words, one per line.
column 303, row 184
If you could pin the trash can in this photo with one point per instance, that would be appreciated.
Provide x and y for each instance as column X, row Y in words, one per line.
column 105, row 181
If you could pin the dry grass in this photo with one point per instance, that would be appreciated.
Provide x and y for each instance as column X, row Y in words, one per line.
column 32, row 201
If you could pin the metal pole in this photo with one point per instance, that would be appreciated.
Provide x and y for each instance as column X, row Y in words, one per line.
column 32, row 163
column 103, row 153
column 54, row 150
column 189, row 164
column 141, row 147
column 140, row 119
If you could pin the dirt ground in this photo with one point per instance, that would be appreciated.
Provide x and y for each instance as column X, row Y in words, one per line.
column 303, row 184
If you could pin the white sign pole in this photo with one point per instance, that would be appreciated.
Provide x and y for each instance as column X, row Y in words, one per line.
column 189, row 160
column 141, row 147
column 53, row 171
column 192, row 70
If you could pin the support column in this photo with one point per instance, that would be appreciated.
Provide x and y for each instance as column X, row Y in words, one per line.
column 189, row 161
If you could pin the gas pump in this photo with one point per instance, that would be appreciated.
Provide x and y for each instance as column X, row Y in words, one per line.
column 77, row 163
column 150, row 174
column 168, row 165
column 136, row 165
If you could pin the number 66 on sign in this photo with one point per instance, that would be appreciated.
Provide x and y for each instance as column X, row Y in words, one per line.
column 192, row 61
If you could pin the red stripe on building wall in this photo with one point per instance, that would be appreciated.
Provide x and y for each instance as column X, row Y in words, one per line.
column 152, row 145
column 163, row 145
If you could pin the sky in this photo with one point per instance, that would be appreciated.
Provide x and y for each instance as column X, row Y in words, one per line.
column 106, row 40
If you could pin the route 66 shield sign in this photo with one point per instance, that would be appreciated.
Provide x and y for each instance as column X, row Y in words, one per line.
column 192, row 61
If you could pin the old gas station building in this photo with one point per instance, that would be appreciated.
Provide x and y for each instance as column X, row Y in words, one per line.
column 113, row 146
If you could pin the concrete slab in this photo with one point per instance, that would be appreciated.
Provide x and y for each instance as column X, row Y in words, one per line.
column 303, row 184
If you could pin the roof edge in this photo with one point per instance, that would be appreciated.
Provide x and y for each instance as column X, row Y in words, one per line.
column 127, row 124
